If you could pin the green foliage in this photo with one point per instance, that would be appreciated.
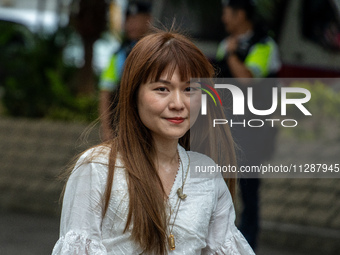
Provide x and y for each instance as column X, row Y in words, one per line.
column 82, row 109
column 36, row 81
column 270, row 13
column 267, row 9
column 324, row 106
column 69, row 107
column 13, row 37
column 325, row 101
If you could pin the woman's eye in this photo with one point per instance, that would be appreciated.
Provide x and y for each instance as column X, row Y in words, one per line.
column 161, row 89
column 191, row 89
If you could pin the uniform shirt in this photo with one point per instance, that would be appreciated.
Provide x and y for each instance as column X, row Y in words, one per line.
column 262, row 58
column 111, row 76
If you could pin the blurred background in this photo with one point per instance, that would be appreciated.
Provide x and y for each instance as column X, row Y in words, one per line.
column 51, row 55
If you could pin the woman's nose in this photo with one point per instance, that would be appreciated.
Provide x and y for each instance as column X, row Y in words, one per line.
column 176, row 101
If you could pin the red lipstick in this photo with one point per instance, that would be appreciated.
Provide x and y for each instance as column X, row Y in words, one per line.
column 176, row 120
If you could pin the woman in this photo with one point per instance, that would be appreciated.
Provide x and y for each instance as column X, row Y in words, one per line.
column 135, row 194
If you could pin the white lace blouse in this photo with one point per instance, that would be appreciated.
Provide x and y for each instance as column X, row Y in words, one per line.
column 204, row 223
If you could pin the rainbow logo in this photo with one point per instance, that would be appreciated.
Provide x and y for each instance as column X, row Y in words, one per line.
column 209, row 93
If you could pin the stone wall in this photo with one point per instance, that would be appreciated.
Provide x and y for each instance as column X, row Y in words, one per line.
column 304, row 213
column 33, row 153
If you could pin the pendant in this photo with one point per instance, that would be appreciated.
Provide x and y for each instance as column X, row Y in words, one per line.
column 180, row 194
column 171, row 240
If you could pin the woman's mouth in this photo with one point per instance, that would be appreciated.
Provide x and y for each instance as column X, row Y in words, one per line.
column 176, row 120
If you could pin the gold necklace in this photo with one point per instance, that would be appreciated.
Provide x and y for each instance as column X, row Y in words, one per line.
column 181, row 196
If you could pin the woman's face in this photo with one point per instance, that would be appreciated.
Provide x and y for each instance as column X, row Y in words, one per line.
column 168, row 107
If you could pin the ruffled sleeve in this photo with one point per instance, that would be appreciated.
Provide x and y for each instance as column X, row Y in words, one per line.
column 224, row 238
column 81, row 217
column 78, row 243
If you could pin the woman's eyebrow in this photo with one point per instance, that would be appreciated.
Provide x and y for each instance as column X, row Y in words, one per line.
column 169, row 82
column 164, row 81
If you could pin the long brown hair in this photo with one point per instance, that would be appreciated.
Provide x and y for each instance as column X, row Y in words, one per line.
column 146, row 62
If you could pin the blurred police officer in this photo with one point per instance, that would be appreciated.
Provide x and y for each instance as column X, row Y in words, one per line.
column 248, row 52
column 137, row 21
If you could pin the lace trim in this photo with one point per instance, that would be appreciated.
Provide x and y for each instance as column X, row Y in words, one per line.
column 228, row 248
column 78, row 244
column 235, row 245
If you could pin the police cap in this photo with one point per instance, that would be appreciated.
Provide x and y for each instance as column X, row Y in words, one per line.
column 138, row 7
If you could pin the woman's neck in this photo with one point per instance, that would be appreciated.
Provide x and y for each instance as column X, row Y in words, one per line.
column 166, row 151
